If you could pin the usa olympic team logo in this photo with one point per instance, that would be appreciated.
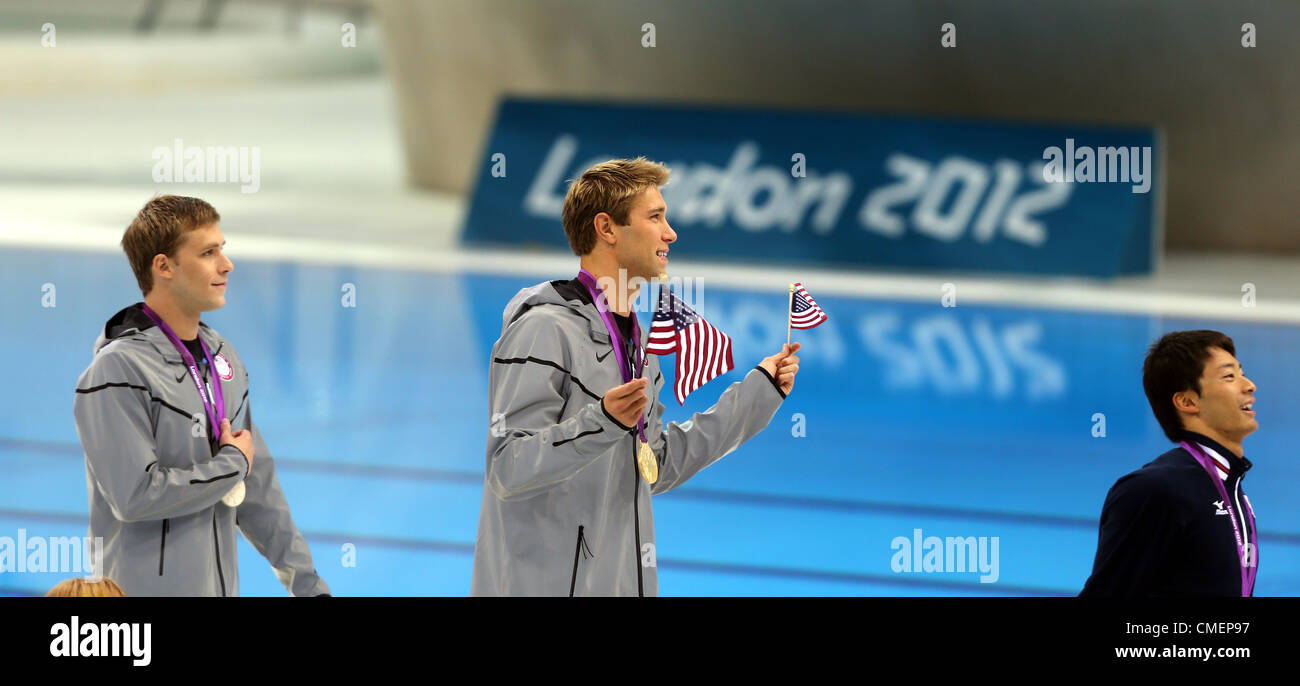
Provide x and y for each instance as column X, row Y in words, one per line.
column 223, row 368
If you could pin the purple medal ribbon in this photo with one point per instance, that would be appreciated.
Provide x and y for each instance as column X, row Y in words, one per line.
column 630, row 369
column 215, row 408
column 1249, row 561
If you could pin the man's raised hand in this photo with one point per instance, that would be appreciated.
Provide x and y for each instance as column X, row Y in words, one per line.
column 783, row 366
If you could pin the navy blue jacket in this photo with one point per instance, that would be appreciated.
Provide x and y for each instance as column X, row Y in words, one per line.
column 1164, row 533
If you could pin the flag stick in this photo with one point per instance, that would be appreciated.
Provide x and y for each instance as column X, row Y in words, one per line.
column 789, row 314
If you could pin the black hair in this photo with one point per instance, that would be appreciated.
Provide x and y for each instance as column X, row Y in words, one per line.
column 1175, row 363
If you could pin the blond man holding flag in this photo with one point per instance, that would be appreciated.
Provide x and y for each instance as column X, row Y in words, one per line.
column 576, row 444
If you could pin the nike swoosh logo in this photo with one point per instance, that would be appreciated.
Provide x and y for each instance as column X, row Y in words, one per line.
column 602, row 359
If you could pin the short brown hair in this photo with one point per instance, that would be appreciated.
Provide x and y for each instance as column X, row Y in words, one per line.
column 158, row 229
column 1175, row 363
column 80, row 588
column 608, row 187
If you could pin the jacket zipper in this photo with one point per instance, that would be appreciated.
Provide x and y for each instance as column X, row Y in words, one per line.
column 217, row 542
column 636, row 517
column 573, row 582
column 162, row 550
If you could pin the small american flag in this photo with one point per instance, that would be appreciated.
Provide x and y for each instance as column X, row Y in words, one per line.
column 804, row 312
column 703, row 352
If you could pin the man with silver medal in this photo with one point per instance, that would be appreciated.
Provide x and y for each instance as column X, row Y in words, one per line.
column 176, row 467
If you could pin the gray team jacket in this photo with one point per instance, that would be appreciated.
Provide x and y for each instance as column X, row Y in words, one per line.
column 154, row 483
column 565, row 510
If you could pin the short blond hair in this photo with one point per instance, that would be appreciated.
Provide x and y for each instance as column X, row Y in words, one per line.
column 158, row 229
column 608, row 187
column 80, row 588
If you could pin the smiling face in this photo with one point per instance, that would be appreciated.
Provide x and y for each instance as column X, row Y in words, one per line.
column 642, row 247
column 1225, row 406
column 195, row 274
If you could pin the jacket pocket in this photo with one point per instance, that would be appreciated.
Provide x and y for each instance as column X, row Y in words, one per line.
column 162, row 548
column 580, row 549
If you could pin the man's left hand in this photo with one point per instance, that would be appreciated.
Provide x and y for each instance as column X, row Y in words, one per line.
column 783, row 366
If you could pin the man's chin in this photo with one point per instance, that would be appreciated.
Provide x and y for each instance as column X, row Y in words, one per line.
column 1241, row 433
column 638, row 276
column 655, row 272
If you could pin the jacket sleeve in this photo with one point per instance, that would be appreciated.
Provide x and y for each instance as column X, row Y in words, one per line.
column 529, row 449
column 743, row 410
column 264, row 518
column 113, row 416
column 1138, row 523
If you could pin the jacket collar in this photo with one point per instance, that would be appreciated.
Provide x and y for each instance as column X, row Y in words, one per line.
column 578, row 298
column 131, row 320
column 1238, row 463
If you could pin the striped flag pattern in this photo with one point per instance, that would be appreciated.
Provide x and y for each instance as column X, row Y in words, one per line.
column 804, row 312
column 703, row 352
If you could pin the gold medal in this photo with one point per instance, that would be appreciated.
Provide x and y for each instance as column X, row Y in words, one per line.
column 645, row 458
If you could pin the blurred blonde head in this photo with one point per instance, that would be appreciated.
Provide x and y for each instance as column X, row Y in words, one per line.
column 80, row 588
